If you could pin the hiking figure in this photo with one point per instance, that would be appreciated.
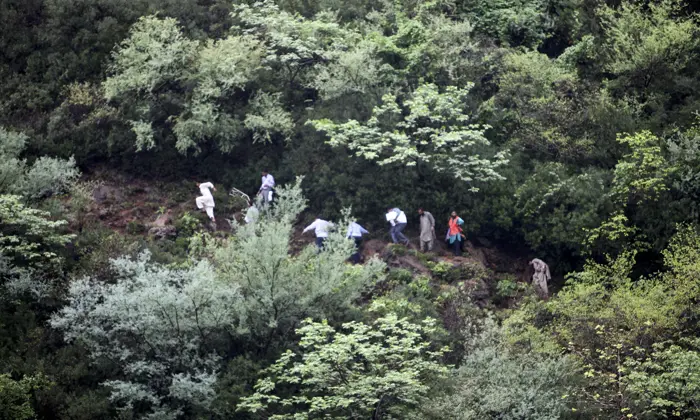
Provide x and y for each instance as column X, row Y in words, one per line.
column 398, row 221
column 252, row 214
column 206, row 200
column 540, row 277
column 267, row 187
column 427, row 230
column 454, row 233
column 321, row 228
column 355, row 232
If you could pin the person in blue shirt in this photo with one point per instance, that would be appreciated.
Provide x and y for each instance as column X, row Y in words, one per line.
column 355, row 232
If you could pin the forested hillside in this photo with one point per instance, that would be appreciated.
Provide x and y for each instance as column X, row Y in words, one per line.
column 564, row 130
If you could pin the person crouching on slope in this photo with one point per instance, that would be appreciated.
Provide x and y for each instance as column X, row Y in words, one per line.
column 206, row 200
column 321, row 228
column 454, row 233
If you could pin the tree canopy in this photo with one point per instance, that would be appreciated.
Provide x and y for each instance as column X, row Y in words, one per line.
column 564, row 130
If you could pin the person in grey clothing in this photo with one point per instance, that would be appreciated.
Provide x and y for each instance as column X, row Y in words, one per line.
column 427, row 230
column 540, row 277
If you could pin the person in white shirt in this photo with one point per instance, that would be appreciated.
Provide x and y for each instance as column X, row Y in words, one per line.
column 321, row 228
column 267, row 186
column 355, row 232
column 398, row 221
column 206, row 200
column 252, row 214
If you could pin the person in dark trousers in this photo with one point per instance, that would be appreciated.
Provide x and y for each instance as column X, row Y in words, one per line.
column 398, row 221
column 454, row 233
column 320, row 228
column 355, row 232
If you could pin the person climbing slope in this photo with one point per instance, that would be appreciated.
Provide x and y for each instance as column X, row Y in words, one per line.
column 355, row 232
column 540, row 277
column 427, row 230
column 206, row 200
column 252, row 214
column 454, row 233
column 267, row 186
column 398, row 221
column 321, row 228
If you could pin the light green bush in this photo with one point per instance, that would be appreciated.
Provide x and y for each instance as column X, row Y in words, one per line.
column 27, row 235
column 382, row 370
column 282, row 289
column 46, row 177
column 496, row 381
column 16, row 396
column 154, row 322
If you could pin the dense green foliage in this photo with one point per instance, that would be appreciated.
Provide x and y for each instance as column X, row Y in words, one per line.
column 567, row 130
column 373, row 371
column 158, row 326
column 27, row 236
column 498, row 381
column 46, row 177
column 15, row 397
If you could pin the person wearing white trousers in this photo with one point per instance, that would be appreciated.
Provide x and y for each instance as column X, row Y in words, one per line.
column 206, row 200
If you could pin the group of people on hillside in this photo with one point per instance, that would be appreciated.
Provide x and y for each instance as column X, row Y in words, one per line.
column 454, row 236
column 355, row 232
column 205, row 202
column 398, row 221
column 395, row 216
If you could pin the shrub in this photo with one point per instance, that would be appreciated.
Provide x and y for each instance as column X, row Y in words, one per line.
column 16, row 396
column 27, row 236
column 444, row 271
column 187, row 224
column 362, row 371
column 495, row 381
column 507, row 288
column 398, row 276
column 97, row 247
column 134, row 227
column 161, row 325
column 46, row 177
column 282, row 289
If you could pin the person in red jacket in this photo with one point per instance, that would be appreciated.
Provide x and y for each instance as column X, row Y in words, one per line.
column 454, row 233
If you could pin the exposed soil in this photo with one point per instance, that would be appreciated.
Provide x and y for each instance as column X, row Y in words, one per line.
column 133, row 205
